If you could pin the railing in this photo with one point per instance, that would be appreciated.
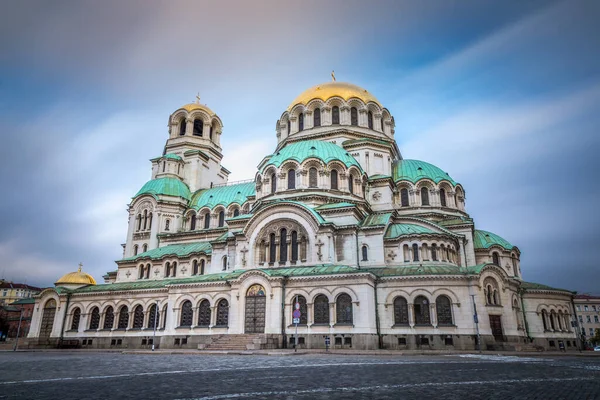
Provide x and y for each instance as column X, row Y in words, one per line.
column 233, row 183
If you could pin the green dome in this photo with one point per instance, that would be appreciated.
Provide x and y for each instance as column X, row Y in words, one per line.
column 485, row 240
column 415, row 170
column 167, row 187
column 223, row 195
column 306, row 149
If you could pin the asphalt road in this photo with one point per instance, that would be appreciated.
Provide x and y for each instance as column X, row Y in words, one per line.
column 77, row 375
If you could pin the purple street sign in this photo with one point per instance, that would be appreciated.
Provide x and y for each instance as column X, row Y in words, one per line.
column 296, row 314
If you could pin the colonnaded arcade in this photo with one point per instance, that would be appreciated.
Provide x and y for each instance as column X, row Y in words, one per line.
column 378, row 250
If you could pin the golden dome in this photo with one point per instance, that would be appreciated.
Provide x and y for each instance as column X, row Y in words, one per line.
column 325, row 91
column 77, row 278
column 197, row 106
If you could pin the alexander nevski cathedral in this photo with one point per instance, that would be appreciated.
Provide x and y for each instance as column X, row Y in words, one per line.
column 375, row 250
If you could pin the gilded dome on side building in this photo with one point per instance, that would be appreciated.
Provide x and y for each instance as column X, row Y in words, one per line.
column 76, row 278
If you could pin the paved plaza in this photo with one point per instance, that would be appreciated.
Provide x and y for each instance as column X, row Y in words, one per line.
column 86, row 375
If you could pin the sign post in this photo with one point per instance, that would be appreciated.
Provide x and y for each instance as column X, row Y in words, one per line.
column 327, row 343
column 296, row 315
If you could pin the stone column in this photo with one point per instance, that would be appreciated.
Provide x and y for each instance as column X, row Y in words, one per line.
column 332, row 314
column 411, row 315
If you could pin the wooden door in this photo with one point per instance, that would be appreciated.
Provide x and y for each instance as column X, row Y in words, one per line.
column 496, row 326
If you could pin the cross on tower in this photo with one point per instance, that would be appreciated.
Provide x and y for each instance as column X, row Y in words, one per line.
column 244, row 251
column 392, row 254
column 128, row 273
column 184, row 269
column 80, row 265
column 319, row 244
column 198, row 98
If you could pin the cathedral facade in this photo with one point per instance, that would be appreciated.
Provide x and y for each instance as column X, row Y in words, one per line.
column 337, row 238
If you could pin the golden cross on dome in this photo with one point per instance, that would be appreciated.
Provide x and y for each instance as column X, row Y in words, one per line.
column 198, row 98
column 80, row 265
column 332, row 75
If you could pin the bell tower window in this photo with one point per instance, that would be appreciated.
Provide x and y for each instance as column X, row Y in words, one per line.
column 198, row 126
column 353, row 116
column 292, row 179
column 317, row 117
column 300, row 122
column 335, row 115
column 273, row 183
column 334, row 179
column 370, row 119
column 182, row 126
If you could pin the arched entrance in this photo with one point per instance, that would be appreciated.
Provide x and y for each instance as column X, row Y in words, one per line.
column 256, row 302
column 47, row 320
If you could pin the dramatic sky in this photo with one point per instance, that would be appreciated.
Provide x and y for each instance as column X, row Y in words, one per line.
column 504, row 98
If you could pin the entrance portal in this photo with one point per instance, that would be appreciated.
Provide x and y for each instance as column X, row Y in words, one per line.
column 496, row 325
column 47, row 320
column 256, row 302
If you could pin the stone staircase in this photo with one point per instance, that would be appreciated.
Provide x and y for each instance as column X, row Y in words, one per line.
column 232, row 343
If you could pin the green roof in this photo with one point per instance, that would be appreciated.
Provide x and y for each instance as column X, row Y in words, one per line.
column 418, row 270
column 29, row 300
column 415, row 170
column 539, row 286
column 334, row 205
column 397, row 230
column 223, row 195
column 366, row 140
column 379, row 176
column 318, row 149
column 166, row 186
column 376, row 219
column 485, row 240
column 172, row 156
column 311, row 210
column 179, row 250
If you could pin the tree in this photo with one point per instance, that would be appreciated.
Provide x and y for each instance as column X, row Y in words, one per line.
column 595, row 340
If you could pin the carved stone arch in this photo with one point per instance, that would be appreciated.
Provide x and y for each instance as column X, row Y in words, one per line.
column 200, row 114
column 297, row 110
column 445, row 292
column 541, row 307
column 314, row 292
column 297, row 291
column 253, row 277
column 285, row 117
column 74, row 305
column 373, row 107
column 202, row 211
column 231, row 208
column 216, row 121
column 389, row 300
column 178, row 115
column 428, row 183
column 90, row 306
column 182, row 299
column 347, row 290
column 338, row 165
column 499, row 273
column 420, row 292
column 335, row 101
column 204, row 296
column 147, row 303
column 314, row 104
column 313, row 163
column 357, row 103
column 270, row 170
column 144, row 202
column 138, row 302
column 289, row 164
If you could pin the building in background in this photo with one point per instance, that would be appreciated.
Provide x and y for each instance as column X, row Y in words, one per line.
column 11, row 292
column 13, row 315
column 588, row 313
column 374, row 250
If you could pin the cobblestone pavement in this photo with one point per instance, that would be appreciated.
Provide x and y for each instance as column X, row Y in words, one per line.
column 77, row 375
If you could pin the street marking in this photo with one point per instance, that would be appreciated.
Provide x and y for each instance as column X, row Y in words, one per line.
column 383, row 387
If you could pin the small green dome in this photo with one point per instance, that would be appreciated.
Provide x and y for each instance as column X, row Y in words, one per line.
column 166, row 186
column 172, row 156
column 223, row 195
column 485, row 240
column 415, row 170
column 306, row 149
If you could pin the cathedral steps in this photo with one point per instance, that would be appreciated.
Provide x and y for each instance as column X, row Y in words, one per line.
column 232, row 342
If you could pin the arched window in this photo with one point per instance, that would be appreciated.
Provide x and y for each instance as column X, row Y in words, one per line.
column 294, row 246
column 202, row 264
column 321, row 309
column 544, row 317
column 272, row 248
column 198, row 126
column 495, row 259
column 415, row 249
column 210, row 132
column 489, row 294
column 443, row 197
column 400, row 311
column 424, row 196
column 404, row 197
column 334, row 179
column 370, row 119
column 291, row 175
column 95, row 318
column 182, row 125
column 224, row 267
column 207, row 220
column 514, row 264
column 343, row 309
column 138, row 317
column 335, row 115
column 317, row 117
column 163, row 170
column 150, row 221
column 301, row 122
column 186, row 314
column 141, row 272
column 223, row 313
column 434, row 256
column 312, row 177
column 283, row 246
column 221, row 218
column 289, row 127
column 123, row 318
column 139, row 222
column 135, row 250
column 443, row 309
column 365, row 252
column 303, row 309
column 145, row 218
column 193, row 223
column 406, row 252
column 273, row 183
column 174, row 269
column 204, row 313
column 421, row 307
column 109, row 318
column 236, row 212
column 145, row 248
column 351, row 184
column 75, row 320
column 152, row 315
column 552, row 324
column 164, row 318
column 195, row 267
column 167, row 224
column 353, row 116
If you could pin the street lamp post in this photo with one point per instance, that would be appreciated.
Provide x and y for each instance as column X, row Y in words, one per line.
column 476, row 319
column 155, row 319
column 18, row 330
